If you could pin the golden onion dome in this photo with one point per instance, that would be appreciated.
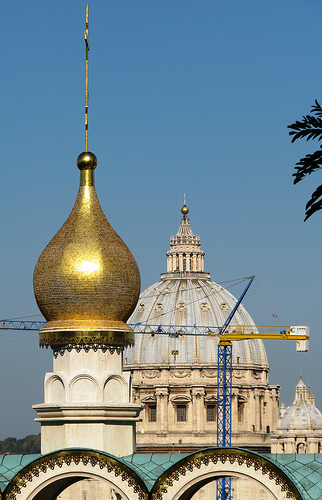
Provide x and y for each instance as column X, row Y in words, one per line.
column 86, row 281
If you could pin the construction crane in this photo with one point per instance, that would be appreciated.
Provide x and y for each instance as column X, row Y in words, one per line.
column 232, row 333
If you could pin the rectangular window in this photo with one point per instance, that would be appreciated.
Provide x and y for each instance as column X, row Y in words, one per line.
column 240, row 411
column 211, row 413
column 152, row 413
column 181, row 413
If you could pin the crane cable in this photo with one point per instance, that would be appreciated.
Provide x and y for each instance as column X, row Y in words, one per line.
column 274, row 314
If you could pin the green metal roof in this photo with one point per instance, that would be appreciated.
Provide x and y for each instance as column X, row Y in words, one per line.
column 150, row 466
column 10, row 465
column 305, row 470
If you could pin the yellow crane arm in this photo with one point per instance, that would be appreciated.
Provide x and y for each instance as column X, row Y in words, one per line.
column 243, row 332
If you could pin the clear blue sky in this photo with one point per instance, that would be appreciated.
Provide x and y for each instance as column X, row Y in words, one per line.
column 187, row 97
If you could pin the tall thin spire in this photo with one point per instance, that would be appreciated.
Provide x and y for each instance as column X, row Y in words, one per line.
column 86, row 79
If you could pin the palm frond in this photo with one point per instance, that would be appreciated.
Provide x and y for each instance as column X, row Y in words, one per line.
column 310, row 163
column 309, row 128
column 314, row 204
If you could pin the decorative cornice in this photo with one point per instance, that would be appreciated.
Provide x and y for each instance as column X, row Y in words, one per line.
column 60, row 350
column 80, row 339
column 151, row 374
column 205, row 457
column 86, row 457
column 180, row 373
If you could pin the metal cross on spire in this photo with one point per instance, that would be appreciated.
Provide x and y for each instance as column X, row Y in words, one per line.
column 86, row 79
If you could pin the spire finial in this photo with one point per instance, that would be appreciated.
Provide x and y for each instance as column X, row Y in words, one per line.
column 86, row 79
column 185, row 209
column 86, row 161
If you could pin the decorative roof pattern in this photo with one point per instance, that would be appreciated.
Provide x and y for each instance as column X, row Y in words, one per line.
column 10, row 465
column 304, row 470
column 151, row 466
column 187, row 301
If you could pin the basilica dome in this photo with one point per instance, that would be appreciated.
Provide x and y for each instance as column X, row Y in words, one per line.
column 302, row 414
column 186, row 296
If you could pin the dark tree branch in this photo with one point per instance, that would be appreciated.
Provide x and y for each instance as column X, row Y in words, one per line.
column 309, row 128
column 314, row 204
column 307, row 165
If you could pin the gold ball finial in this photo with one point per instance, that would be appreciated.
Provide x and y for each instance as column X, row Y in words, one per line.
column 185, row 210
column 87, row 161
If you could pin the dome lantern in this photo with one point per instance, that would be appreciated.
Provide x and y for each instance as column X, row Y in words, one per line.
column 185, row 254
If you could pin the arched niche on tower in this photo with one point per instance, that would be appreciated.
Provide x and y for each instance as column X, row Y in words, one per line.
column 84, row 388
column 115, row 390
column 55, row 391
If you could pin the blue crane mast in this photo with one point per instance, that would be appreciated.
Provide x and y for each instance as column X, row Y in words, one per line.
column 224, row 396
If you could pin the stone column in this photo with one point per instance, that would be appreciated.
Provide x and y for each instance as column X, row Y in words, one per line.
column 198, row 395
column 194, row 260
column 258, row 410
column 290, row 444
column 251, row 411
column 272, row 414
column 234, row 412
column 312, row 443
column 162, row 396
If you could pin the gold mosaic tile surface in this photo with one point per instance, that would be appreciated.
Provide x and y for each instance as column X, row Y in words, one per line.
column 86, row 279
